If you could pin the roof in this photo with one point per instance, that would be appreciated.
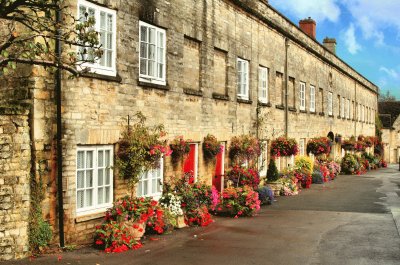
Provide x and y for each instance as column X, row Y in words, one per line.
column 388, row 112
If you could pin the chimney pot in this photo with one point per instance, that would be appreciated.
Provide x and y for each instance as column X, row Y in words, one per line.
column 308, row 26
column 330, row 44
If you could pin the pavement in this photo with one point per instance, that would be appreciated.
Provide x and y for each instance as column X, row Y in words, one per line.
column 351, row 220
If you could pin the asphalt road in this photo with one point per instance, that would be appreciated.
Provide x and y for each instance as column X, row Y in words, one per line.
column 351, row 220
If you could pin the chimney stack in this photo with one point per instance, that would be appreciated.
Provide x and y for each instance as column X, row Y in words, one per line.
column 330, row 44
column 308, row 26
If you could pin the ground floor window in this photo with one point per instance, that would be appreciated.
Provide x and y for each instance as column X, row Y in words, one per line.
column 150, row 182
column 94, row 178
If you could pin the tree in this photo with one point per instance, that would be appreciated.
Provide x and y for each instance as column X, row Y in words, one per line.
column 387, row 97
column 29, row 30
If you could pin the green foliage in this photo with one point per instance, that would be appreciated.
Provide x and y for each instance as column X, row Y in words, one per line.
column 350, row 164
column 30, row 30
column 140, row 150
column 272, row 172
column 304, row 164
column 40, row 233
column 244, row 148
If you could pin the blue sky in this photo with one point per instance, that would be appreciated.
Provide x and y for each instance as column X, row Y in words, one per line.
column 367, row 33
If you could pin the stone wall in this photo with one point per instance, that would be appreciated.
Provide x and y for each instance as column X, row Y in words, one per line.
column 15, row 166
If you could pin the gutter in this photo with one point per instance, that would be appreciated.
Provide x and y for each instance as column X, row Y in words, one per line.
column 58, row 77
column 286, row 88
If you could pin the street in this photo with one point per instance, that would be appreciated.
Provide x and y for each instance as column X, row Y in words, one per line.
column 351, row 220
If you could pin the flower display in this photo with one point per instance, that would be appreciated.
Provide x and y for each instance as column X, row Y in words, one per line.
column 179, row 147
column 360, row 146
column 348, row 145
column 242, row 176
column 128, row 215
column 240, row 201
column 289, row 185
column 211, row 147
column 284, row 147
column 319, row 146
column 244, row 148
column 172, row 202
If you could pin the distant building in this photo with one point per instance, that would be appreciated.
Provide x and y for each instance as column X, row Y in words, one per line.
column 389, row 113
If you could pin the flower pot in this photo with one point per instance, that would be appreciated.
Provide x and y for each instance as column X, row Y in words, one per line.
column 136, row 229
column 276, row 187
column 180, row 221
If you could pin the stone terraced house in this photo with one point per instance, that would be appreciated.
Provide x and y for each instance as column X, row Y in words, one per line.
column 389, row 114
column 224, row 67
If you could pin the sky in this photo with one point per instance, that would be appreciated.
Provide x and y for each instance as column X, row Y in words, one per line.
column 367, row 33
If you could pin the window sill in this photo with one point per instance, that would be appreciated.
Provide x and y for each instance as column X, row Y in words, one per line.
column 90, row 216
column 303, row 111
column 330, row 115
column 279, row 106
column 313, row 112
column 292, row 109
column 220, row 96
column 193, row 92
column 321, row 114
column 263, row 104
column 338, row 117
column 110, row 78
column 147, row 85
column 244, row 101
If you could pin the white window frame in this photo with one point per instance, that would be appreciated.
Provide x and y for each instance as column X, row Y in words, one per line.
column 159, row 59
column 242, row 79
column 263, row 161
column 149, row 176
column 348, row 109
column 302, row 146
column 302, row 92
column 363, row 113
column 96, row 67
column 330, row 103
column 263, row 73
column 95, row 208
column 312, row 98
column 342, row 107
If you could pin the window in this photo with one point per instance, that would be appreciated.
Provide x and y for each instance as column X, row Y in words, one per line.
column 94, row 178
column 150, row 182
column 348, row 109
column 302, row 96
column 152, row 54
column 263, row 84
column 363, row 114
column 243, row 78
column 106, row 25
column 342, row 108
column 330, row 103
column 312, row 98
column 302, row 146
column 359, row 112
column 321, row 97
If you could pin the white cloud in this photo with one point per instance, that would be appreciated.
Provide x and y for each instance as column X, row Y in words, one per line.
column 319, row 10
column 373, row 17
column 350, row 40
column 390, row 72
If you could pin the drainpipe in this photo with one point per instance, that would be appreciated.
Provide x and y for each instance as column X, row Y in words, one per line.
column 356, row 110
column 286, row 88
column 58, row 76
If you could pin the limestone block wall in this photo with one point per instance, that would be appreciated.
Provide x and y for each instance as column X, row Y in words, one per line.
column 15, row 166
column 204, row 40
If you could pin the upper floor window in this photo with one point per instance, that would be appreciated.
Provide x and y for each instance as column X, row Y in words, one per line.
column 330, row 103
column 312, row 98
column 94, row 178
column 302, row 146
column 152, row 54
column 106, row 25
column 263, row 84
column 243, row 79
column 302, row 96
column 150, row 182
column 348, row 109
column 342, row 108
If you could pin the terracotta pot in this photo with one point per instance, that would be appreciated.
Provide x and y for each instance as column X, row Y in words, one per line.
column 136, row 229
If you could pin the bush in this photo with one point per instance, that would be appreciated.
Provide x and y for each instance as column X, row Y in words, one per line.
column 272, row 172
column 317, row 177
column 244, row 177
column 239, row 202
column 304, row 164
column 265, row 195
column 350, row 164
column 40, row 235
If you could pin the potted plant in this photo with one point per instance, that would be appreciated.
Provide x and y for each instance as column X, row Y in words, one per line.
column 283, row 146
column 180, row 147
column 211, row 147
column 244, row 148
column 319, row 146
column 338, row 138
